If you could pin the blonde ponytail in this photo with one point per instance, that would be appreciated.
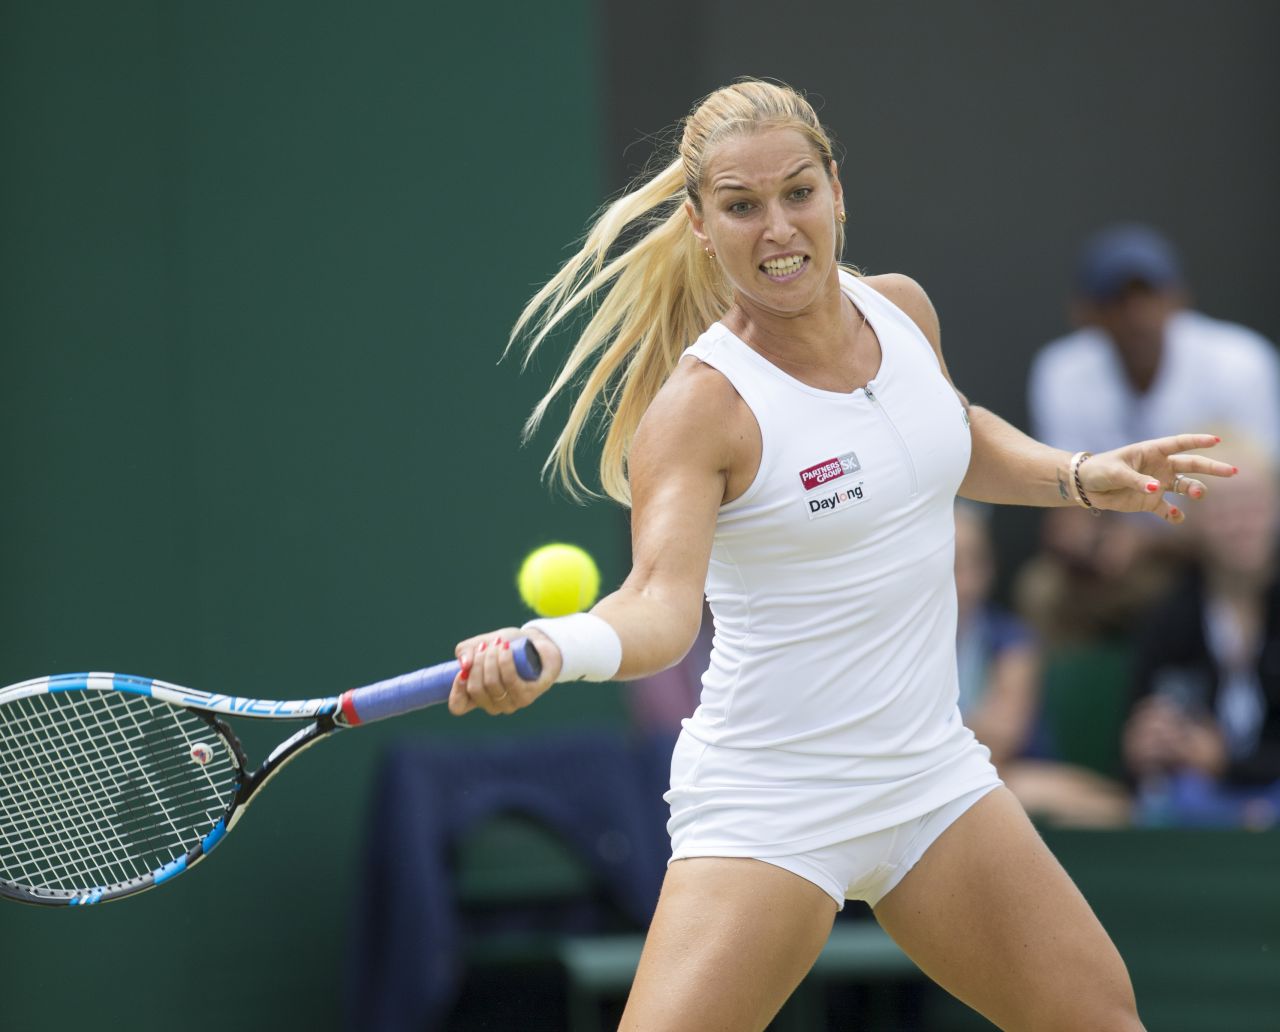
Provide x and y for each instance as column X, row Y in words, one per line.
column 660, row 293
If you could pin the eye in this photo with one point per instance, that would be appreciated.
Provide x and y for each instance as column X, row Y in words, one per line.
column 801, row 193
column 739, row 207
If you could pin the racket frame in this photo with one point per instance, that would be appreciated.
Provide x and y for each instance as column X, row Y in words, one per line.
column 327, row 714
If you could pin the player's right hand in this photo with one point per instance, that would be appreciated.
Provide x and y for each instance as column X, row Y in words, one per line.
column 488, row 679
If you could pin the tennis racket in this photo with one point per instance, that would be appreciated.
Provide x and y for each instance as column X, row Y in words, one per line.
column 112, row 784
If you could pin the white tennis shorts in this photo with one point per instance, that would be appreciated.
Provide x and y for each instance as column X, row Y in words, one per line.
column 869, row 866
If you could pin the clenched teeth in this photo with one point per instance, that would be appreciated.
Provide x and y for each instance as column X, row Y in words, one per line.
column 783, row 266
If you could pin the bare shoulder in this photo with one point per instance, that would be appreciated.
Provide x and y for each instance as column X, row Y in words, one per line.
column 908, row 295
column 697, row 415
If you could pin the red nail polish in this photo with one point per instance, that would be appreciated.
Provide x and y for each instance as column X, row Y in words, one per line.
column 506, row 644
column 1217, row 440
column 1173, row 511
column 1235, row 469
column 483, row 646
column 1153, row 487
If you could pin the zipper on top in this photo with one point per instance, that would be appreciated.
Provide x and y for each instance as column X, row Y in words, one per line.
column 902, row 444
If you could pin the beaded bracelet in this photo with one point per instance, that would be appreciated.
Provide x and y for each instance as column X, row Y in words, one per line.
column 1078, row 460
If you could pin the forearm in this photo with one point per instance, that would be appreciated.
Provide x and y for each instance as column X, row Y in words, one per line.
column 1009, row 468
column 657, row 627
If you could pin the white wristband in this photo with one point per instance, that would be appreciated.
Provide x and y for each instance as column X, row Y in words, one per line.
column 590, row 649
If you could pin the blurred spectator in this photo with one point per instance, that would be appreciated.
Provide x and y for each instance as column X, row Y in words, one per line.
column 1140, row 365
column 1203, row 739
column 1000, row 668
column 997, row 655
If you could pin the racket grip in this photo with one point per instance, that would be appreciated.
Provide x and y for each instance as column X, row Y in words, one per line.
column 424, row 687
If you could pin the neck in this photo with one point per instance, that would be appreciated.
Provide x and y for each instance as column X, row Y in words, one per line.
column 813, row 336
column 1140, row 368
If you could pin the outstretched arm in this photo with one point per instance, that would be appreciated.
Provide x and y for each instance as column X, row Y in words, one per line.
column 1009, row 468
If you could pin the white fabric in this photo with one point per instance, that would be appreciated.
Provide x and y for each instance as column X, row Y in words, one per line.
column 830, row 706
column 870, row 866
column 1212, row 374
column 590, row 649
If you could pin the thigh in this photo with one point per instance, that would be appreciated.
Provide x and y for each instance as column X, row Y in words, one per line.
column 990, row 915
column 729, row 942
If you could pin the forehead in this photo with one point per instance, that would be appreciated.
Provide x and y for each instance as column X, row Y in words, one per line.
column 759, row 157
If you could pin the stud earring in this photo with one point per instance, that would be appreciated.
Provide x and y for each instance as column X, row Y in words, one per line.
column 711, row 255
column 842, row 218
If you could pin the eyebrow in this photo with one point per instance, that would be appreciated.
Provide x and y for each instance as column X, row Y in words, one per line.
column 804, row 165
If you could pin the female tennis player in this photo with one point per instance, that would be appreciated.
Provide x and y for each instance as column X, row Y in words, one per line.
column 790, row 443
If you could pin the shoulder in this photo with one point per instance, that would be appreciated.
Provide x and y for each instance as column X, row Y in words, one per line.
column 1228, row 340
column 696, row 414
column 910, row 296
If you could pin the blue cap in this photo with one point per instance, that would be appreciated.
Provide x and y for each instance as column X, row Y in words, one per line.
column 1120, row 255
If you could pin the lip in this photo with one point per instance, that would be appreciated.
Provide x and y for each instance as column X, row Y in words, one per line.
column 789, row 276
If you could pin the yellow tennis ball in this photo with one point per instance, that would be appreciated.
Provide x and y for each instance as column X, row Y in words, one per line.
column 556, row 580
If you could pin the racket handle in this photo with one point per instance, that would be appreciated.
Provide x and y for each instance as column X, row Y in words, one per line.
column 424, row 687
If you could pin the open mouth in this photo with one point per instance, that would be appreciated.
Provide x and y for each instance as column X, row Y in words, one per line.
column 784, row 268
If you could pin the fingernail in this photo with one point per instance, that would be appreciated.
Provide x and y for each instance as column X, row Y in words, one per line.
column 1152, row 487
column 1173, row 511
column 506, row 644
column 483, row 646
column 1235, row 469
column 1217, row 440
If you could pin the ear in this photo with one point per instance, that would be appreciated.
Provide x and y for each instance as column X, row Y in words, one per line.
column 836, row 189
column 697, row 224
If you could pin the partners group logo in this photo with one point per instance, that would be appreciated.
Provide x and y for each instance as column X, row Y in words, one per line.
column 822, row 474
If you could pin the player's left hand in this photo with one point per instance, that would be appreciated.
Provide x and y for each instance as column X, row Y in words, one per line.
column 1138, row 477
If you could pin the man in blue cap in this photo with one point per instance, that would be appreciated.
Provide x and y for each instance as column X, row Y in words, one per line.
column 1140, row 364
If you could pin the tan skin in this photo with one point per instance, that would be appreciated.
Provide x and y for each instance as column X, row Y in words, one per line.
column 732, row 938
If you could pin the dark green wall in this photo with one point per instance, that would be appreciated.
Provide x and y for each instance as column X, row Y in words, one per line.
column 1194, row 913
column 257, row 264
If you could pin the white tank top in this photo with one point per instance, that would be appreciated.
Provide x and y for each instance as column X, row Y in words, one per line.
column 832, row 587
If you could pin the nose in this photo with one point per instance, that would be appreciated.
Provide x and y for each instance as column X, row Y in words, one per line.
column 778, row 227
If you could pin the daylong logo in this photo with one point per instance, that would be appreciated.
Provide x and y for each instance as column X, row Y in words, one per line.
column 829, row 469
column 825, row 504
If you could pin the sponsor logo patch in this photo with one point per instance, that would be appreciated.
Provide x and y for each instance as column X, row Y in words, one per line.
column 829, row 469
column 842, row 498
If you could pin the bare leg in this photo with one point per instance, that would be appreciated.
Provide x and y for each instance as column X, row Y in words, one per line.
column 992, row 917
column 730, row 941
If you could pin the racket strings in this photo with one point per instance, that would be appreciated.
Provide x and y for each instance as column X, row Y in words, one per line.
column 88, row 792
column 83, row 823
column 101, row 787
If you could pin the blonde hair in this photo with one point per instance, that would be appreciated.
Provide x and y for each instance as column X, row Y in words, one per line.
column 662, row 291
